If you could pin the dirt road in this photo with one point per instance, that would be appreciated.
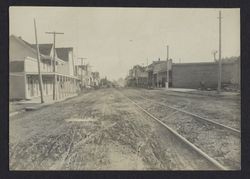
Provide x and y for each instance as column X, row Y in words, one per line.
column 99, row 130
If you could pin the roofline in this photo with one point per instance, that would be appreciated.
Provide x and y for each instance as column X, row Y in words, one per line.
column 23, row 42
column 71, row 48
column 35, row 51
column 195, row 63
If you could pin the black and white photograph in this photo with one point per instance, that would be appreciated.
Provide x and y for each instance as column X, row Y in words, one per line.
column 124, row 88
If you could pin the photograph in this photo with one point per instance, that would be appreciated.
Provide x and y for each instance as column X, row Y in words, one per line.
column 124, row 89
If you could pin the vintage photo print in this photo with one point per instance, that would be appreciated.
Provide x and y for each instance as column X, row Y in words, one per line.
column 98, row 88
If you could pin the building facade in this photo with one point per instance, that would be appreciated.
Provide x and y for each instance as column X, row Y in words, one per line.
column 202, row 75
column 96, row 79
column 152, row 76
column 24, row 79
column 205, row 75
column 85, row 75
column 138, row 77
column 158, row 75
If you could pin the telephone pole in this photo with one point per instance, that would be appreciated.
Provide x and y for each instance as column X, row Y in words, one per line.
column 54, row 61
column 167, row 66
column 38, row 64
column 147, row 73
column 81, row 58
column 219, row 68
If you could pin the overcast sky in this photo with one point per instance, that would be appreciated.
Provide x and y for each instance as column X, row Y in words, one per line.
column 115, row 39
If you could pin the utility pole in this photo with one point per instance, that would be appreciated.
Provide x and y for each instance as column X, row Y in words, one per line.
column 81, row 69
column 54, row 61
column 81, row 58
column 38, row 64
column 73, row 63
column 167, row 66
column 148, row 74
column 219, row 69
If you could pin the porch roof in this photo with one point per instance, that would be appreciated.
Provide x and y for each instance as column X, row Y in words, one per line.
column 52, row 73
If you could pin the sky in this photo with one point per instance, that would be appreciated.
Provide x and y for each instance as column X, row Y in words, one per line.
column 115, row 39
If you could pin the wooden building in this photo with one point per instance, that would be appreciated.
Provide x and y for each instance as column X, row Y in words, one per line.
column 23, row 76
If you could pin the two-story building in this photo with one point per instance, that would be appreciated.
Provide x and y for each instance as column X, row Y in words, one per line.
column 151, row 76
column 96, row 79
column 84, row 74
column 87, row 77
column 138, row 77
column 157, row 73
column 23, row 77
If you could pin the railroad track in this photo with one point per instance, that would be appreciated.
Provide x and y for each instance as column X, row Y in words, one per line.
column 197, row 117
column 176, row 134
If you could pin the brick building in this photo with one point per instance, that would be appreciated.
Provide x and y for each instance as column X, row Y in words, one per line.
column 192, row 75
column 187, row 75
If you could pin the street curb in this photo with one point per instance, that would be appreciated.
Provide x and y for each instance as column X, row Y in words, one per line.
column 194, row 93
column 203, row 94
column 27, row 109
column 46, row 105
column 209, row 95
column 36, row 108
column 16, row 112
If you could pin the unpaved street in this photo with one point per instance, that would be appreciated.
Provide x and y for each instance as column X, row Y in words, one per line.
column 103, row 130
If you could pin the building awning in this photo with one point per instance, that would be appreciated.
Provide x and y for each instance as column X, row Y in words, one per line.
column 52, row 74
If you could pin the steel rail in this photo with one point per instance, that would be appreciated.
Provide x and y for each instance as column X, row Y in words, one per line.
column 235, row 131
column 184, row 140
